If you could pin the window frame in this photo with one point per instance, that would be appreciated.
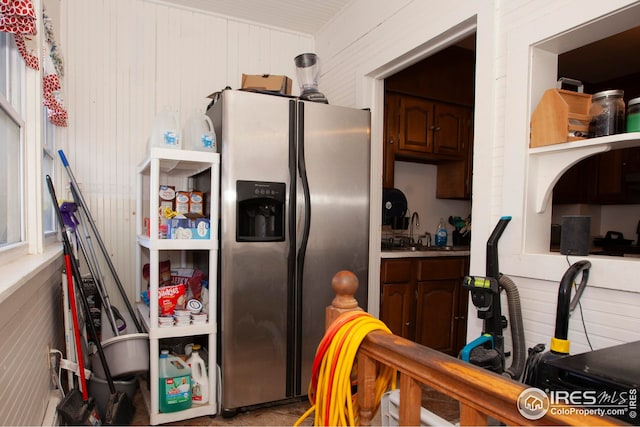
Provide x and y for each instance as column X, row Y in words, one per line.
column 38, row 250
column 13, row 103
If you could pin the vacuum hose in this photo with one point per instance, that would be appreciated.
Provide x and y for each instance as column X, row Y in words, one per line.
column 330, row 386
column 517, row 328
column 560, row 341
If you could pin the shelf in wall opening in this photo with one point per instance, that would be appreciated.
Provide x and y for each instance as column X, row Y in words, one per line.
column 177, row 244
column 548, row 163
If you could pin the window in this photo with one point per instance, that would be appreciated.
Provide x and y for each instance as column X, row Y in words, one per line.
column 11, row 147
column 48, row 160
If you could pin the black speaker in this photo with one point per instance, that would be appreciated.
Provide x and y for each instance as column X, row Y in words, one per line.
column 576, row 232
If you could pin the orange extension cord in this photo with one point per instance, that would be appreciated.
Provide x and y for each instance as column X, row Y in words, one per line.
column 330, row 386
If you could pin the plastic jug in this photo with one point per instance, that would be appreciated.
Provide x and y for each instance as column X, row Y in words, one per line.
column 174, row 383
column 199, row 134
column 166, row 130
column 199, row 379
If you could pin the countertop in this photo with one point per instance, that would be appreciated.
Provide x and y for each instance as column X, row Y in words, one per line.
column 403, row 253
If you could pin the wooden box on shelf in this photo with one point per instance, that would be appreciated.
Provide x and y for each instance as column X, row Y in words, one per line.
column 558, row 115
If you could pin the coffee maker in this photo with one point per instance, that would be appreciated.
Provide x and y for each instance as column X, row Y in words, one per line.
column 307, row 70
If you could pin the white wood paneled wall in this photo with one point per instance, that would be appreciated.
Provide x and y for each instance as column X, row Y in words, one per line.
column 128, row 59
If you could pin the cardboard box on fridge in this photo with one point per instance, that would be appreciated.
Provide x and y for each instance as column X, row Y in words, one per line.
column 267, row 82
column 187, row 228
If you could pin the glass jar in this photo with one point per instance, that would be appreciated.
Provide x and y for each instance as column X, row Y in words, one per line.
column 633, row 115
column 607, row 113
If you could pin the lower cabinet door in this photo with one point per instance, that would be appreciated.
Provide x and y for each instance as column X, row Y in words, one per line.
column 398, row 311
column 436, row 309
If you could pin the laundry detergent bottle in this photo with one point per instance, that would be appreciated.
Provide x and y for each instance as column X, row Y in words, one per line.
column 174, row 383
column 199, row 379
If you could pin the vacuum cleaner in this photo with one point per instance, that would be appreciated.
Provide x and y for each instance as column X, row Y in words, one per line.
column 607, row 378
column 537, row 365
column 487, row 351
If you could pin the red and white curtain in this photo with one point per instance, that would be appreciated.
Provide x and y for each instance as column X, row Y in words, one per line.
column 18, row 17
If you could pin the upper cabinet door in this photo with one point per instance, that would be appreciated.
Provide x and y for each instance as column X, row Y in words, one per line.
column 451, row 130
column 416, row 125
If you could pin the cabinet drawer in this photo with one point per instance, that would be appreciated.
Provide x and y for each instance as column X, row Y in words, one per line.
column 441, row 268
column 396, row 271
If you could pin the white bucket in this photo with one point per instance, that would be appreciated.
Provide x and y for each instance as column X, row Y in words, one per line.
column 126, row 355
column 166, row 130
column 199, row 134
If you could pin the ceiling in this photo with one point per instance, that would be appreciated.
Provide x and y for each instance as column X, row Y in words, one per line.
column 305, row 16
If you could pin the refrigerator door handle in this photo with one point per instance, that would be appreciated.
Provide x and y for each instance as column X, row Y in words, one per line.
column 302, row 170
column 291, row 260
column 303, row 239
column 293, row 299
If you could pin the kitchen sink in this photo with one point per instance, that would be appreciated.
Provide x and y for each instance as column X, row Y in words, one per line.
column 416, row 248
column 441, row 248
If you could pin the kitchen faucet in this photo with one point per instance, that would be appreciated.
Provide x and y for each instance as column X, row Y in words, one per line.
column 427, row 236
column 417, row 222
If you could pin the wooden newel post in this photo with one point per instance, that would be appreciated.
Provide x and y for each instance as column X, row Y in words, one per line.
column 345, row 285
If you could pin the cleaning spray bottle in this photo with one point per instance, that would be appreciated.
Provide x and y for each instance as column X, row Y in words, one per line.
column 199, row 379
column 441, row 234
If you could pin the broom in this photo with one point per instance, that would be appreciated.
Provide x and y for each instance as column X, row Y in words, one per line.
column 119, row 408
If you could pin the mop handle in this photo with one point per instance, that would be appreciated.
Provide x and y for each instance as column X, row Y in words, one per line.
column 93, row 273
column 103, row 248
column 96, row 271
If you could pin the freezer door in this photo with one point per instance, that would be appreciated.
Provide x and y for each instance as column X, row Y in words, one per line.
column 254, row 133
column 334, row 156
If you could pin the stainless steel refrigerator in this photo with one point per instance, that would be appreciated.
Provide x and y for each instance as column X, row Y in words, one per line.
column 294, row 211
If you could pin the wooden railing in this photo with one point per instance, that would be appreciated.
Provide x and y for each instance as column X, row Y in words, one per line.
column 481, row 393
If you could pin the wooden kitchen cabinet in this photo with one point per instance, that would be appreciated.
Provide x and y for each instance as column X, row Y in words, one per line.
column 438, row 316
column 576, row 184
column 431, row 129
column 612, row 177
column 422, row 299
column 398, row 293
column 454, row 178
column 427, row 131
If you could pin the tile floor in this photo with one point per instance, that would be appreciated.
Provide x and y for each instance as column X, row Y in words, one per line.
column 288, row 414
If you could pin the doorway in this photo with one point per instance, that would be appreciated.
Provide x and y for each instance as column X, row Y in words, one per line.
column 428, row 135
column 427, row 155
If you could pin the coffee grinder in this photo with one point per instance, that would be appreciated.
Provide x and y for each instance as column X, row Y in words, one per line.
column 307, row 70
